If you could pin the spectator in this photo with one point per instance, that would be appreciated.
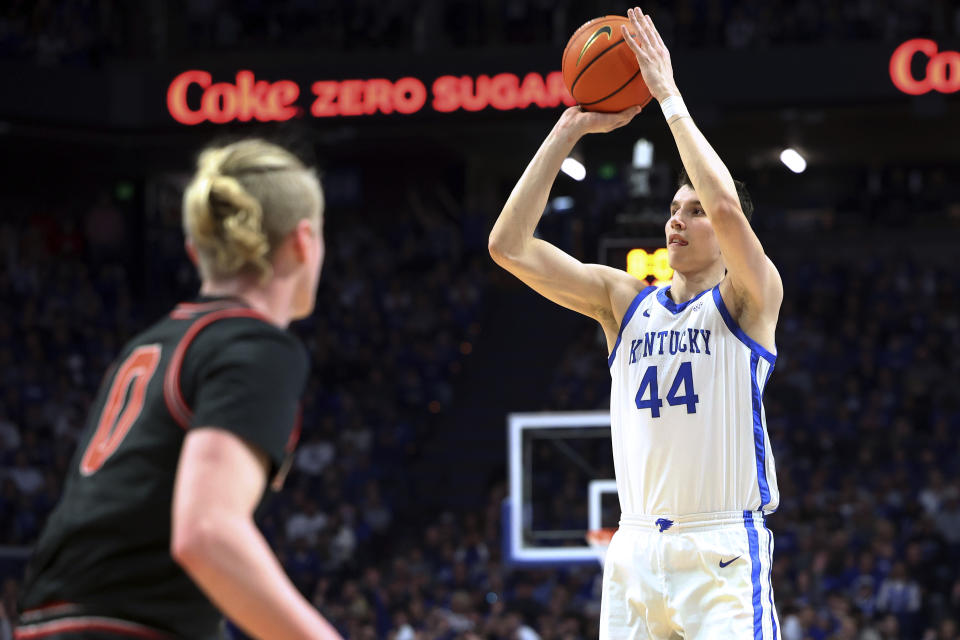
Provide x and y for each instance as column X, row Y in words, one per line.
column 314, row 455
column 864, row 598
column 306, row 524
column 9, row 433
column 948, row 519
column 900, row 595
column 27, row 478
column 376, row 514
column 933, row 493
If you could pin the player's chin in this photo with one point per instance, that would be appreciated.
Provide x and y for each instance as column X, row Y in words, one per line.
column 677, row 251
column 678, row 257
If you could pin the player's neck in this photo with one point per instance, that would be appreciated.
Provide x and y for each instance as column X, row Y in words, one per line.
column 271, row 299
column 684, row 286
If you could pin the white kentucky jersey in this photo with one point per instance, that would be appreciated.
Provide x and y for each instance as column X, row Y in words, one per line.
column 686, row 410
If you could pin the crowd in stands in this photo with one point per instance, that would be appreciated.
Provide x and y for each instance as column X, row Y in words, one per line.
column 86, row 32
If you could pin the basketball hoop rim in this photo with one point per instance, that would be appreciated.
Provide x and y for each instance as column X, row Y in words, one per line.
column 600, row 537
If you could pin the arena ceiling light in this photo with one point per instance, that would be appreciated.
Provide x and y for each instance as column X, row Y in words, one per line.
column 642, row 154
column 794, row 161
column 574, row 168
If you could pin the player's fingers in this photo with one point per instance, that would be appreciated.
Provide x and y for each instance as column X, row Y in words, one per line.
column 636, row 25
column 624, row 113
column 639, row 45
column 633, row 15
column 629, row 38
column 627, row 115
column 610, row 121
column 656, row 34
column 639, row 27
column 617, row 122
column 632, row 41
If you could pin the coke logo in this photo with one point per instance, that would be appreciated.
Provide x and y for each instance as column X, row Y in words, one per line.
column 942, row 71
column 248, row 99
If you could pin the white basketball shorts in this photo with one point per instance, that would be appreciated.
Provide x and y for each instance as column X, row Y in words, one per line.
column 695, row 577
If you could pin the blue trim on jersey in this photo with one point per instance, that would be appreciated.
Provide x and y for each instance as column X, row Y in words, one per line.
column 754, row 542
column 766, row 380
column 626, row 319
column 672, row 306
column 773, row 611
column 759, row 446
column 737, row 331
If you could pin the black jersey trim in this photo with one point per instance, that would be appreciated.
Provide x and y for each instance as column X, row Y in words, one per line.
column 297, row 430
column 79, row 624
column 48, row 610
column 187, row 310
column 172, row 394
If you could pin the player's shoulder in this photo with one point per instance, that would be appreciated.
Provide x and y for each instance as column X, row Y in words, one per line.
column 618, row 282
column 251, row 335
column 230, row 329
column 626, row 290
column 767, row 303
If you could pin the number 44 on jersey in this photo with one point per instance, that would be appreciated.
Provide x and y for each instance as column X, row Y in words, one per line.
column 648, row 395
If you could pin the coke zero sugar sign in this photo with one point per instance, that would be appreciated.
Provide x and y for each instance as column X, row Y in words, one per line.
column 941, row 71
column 248, row 98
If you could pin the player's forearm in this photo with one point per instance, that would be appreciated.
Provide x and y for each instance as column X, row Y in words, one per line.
column 521, row 214
column 232, row 563
column 710, row 177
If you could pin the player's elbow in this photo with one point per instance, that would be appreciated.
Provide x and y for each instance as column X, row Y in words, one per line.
column 726, row 209
column 192, row 539
column 500, row 250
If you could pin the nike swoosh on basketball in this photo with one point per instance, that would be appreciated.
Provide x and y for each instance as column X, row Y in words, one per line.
column 724, row 564
column 607, row 29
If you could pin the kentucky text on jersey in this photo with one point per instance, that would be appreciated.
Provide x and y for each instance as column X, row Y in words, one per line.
column 672, row 342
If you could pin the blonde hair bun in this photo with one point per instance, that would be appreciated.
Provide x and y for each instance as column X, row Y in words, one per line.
column 243, row 200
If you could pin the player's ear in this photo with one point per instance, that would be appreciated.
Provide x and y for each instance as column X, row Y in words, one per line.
column 192, row 252
column 302, row 238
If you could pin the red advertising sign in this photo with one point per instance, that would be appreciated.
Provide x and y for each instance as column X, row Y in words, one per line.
column 942, row 71
column 250, row 99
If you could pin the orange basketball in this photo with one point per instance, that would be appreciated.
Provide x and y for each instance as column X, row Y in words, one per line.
column 600, row 70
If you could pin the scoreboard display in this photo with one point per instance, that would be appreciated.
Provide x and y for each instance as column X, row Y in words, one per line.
column 643, row 258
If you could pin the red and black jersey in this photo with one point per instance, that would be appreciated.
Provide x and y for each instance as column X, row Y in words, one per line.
column 102, row 563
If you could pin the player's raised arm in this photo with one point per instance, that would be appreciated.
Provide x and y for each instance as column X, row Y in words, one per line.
column 585, row 288
column 752, row 274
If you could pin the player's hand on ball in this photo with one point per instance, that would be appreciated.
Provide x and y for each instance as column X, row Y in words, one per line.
column 652, row 55
column 584, row 122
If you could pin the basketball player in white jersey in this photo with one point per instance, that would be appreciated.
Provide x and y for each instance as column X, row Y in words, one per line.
column 689, row 363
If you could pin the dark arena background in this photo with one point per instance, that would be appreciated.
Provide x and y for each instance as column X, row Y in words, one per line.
column 421, row 117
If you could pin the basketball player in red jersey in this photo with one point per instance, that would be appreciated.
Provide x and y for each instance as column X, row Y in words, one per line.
column 155, row 531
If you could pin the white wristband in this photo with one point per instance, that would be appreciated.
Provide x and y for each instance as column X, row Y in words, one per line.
column 673, row 108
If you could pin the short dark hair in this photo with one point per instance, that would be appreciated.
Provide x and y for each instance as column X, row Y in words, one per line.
column 746, row 202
